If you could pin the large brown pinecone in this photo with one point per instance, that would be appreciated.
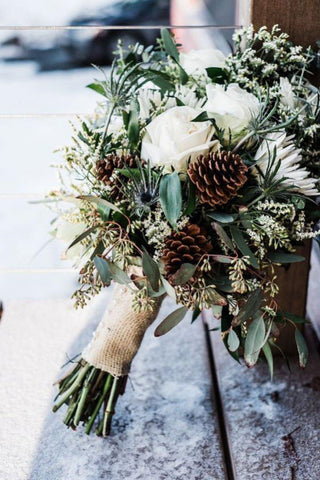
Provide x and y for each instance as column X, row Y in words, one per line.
column 106, row 169
column 185, row 246
column 217, row 176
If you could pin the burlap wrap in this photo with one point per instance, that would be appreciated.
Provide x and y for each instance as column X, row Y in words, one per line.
column 119, row 334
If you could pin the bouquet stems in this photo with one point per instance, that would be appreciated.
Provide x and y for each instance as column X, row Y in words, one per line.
column 84, row 390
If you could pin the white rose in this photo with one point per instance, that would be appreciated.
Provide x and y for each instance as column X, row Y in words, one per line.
column 195, row 62
column 172, row 138
column 287, row 96
column 232, row 108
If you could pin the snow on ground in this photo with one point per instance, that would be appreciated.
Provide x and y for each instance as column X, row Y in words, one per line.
column 164, row 426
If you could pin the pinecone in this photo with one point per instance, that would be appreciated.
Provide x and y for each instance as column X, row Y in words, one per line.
column 106, row 168
column 185, row 246
column 217, row 176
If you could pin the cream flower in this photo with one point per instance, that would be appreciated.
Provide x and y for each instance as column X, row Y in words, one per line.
column 69, row 231
column 282, row 146
column 150, row 100
column 232, row 108
column 287, row 96
column 172, row 139
column 195, row 62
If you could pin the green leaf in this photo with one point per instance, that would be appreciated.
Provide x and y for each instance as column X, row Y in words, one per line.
column 233, row 341
column 269, row 357
column 221, row 258
column 223, row 283
column 104, row 213
column 282, row 257
column 97, row 87
column 171, row 197
column 161, row 80
column 302, row 348
column 222, row 217
column 242, row 245
column 172, row 51
column 100, row 202
column 294, row 318
column 217, row 74
column 202, row 117
column 224, row 237
column 170, row 321
column 250, row 308
column 103, row 269
column 184, row 77
column 195, row 314
column 133, row 123
column 192, row 199
column 184, row 273
column 82, row 236
column 169, row 44
column 255, row 340
column 151, row 270
column 118, row 275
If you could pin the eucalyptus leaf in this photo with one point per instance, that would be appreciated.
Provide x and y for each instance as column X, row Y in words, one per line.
column 170, row 321
column 195, row 314
column 101, row 202
column 302, row 348
column 221, row 258
column 151, row 270
column 82, row 236
column 103, row 269
column 192, row 199
column 171, row 197
column 118, row 275
column 283, row 257
column 242, row 245
column 269, row 357
column 233, row 341
column 295, row 318
column 104, row 212
column 224, row 237
column 255, row 340
column 184, row 273
column 222, row 217
column 250, row 308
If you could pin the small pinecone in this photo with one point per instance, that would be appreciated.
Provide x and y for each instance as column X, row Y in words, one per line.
column 106, row 168
column 185, row 246
column 217, row 176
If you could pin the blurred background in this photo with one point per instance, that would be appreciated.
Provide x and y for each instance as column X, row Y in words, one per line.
column 43, row 74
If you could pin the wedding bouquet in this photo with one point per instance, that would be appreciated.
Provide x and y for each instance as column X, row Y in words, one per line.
column 195, row 177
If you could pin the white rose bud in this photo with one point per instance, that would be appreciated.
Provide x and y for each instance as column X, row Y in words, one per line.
column 172, row 139
column 195, row 62
column 232, row 108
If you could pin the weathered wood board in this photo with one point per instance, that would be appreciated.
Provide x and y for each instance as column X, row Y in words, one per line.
column 273, row 427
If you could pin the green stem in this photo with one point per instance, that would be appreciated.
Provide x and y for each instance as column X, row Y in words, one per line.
column 71, row 410
column 106, row 389
column 80, row 376
column 110, row 408
column 84, row 395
